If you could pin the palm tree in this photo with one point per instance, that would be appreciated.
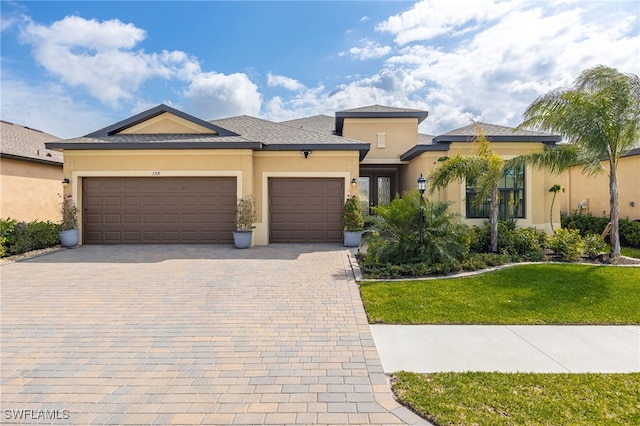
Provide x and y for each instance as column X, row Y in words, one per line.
column 600, row 118
column 485, row 169
column 555, row 189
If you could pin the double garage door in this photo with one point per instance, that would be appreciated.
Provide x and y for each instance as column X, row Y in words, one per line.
column 177, row 210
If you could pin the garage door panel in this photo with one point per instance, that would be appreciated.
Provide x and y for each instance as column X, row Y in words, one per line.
column 305, row 210
column 158, row 210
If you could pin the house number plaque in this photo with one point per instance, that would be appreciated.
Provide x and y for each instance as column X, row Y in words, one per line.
column 155, row 173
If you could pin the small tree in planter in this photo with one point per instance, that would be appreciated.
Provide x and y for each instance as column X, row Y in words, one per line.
column 245, row 218
column 69, row 233
column 353, row 222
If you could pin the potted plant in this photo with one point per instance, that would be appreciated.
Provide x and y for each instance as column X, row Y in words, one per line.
column 69, row 234
column 353, row 222
column 245, row 217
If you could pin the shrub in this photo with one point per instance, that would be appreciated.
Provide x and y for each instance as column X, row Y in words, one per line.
column 525, row 243
column 630, row 233
column 394, row 236
column 478, row 261
column 594, row 245
column 352, row 218
column 35, row 236
column 567, row 243
column 587, row 223
column 7, row 235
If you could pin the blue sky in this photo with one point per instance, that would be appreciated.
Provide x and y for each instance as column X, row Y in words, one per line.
column 69, row 68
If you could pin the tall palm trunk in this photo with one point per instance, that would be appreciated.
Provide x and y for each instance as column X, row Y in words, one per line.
column 493, row 222
column 615, row 211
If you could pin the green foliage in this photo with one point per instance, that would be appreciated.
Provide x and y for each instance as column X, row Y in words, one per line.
column 352, row 218
column 394, row 237
column 600, row 118
column 567, row 243
column 477, row 261
column 7, row 235
column 630, row 233
column 587, row 223
column 20, row 237
column 518, row 243
column 594, row 245
column 35, row 236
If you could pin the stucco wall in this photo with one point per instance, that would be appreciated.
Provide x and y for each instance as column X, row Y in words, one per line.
column 252, row 169
column 537, row 183
column 320, row 164
column 30, row 191
column 595, row 190
column 401, row 134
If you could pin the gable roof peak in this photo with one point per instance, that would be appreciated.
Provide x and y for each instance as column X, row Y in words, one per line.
column 154, row 112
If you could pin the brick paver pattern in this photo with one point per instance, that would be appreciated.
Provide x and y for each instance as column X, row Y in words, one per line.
column 189, row 335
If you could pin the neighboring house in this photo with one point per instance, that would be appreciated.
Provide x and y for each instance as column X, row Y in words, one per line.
column 164, row 176
column 30, row 174
column 590, row 194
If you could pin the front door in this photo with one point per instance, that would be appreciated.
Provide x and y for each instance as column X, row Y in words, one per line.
column 376, row 188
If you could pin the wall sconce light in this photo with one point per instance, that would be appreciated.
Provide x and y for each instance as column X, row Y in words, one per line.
column 306, row 152
column 632, row 203
column 354, row 182
column 65, row 182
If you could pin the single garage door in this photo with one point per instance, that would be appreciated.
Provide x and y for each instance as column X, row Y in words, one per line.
column 305, row 210
column 162, row 210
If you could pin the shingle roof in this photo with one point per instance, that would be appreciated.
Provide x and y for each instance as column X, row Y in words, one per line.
column 495, row 133
column 316, row 123
column 381, row 109
column 271, row 133
column 26, row 143
column 166, row 141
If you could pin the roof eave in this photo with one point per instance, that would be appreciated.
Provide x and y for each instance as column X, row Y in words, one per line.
column 84, row 146
column 31, row 159
column 363, row 148
column 419, row 149
column 154, row 112
column 551, row 139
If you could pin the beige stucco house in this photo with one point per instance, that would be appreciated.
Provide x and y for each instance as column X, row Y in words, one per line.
column 590, row 194
column 30, row 174
column 164, row 176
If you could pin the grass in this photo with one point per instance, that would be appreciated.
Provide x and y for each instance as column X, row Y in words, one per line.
column 524, row 294
column 630, row 252
column 521, row 399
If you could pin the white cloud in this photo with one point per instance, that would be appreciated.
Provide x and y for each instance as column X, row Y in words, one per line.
column 282, row 81
column 431, row 18
column 213, row 95
column 364, row 19
column 49, row 108
column 369, row 50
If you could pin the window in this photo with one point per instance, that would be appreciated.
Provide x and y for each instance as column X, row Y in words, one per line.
column 510, row 197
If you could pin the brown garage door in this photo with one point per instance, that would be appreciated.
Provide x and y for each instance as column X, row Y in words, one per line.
column 305, row 210
column 133, row 210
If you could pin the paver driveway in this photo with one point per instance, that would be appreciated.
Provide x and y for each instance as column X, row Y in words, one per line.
column 190, row 335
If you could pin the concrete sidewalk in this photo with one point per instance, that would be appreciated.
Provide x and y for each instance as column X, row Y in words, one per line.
column 512, row 348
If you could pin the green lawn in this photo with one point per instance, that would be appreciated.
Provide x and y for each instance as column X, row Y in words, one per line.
column 523, row 294
column 630, row 252
column 521, row 399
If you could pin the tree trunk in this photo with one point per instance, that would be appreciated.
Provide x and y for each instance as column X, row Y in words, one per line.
column 615, row 211
column 551, row 211
column 493, row 221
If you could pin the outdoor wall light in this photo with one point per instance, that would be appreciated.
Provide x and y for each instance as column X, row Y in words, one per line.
column 65, row 182
column 354, row 182
column 632, row 203
column 306, row 152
